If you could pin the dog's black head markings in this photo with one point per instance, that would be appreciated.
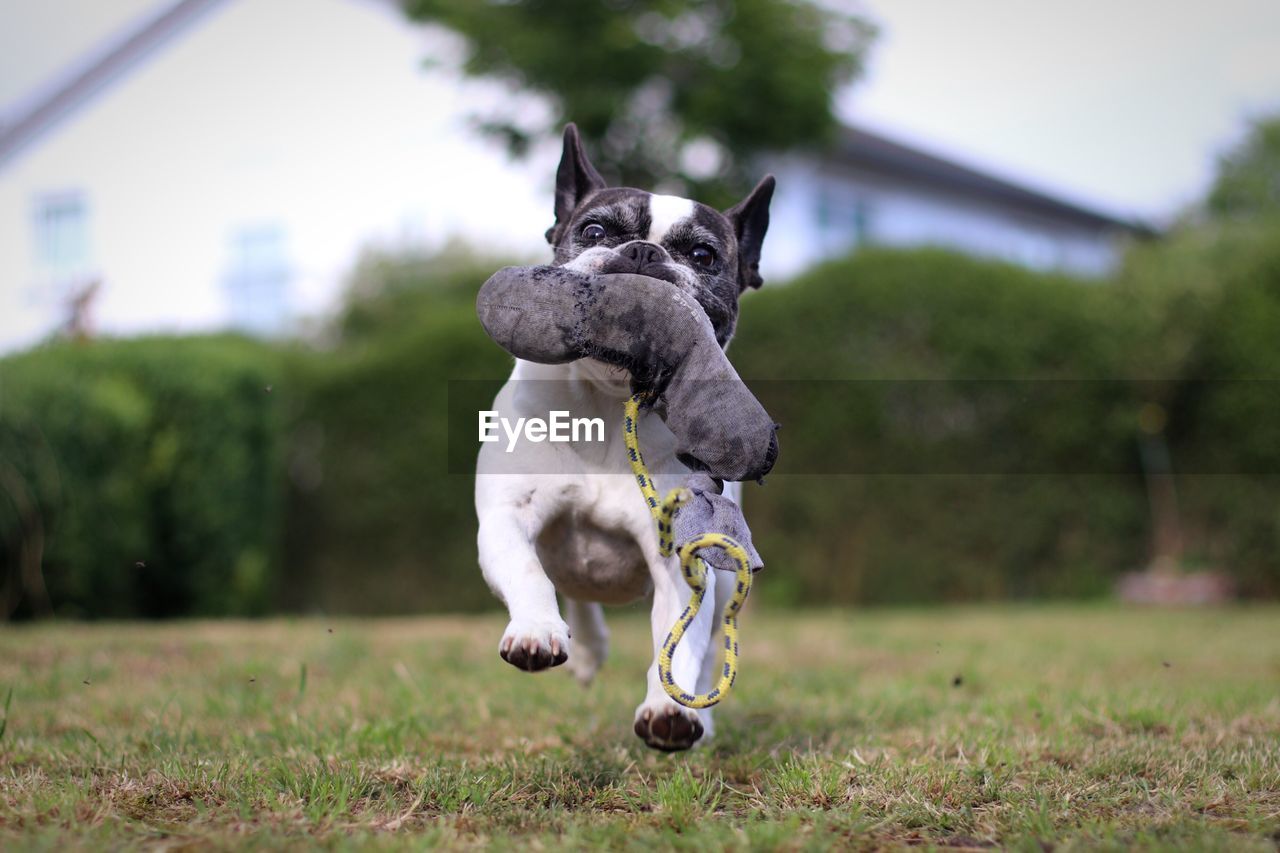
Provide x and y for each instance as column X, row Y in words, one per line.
column 713, row 256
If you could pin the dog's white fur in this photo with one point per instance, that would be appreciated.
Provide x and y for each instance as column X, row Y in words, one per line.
column 665, row 211
column 587, row 492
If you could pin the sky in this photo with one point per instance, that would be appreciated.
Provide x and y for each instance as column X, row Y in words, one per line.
column 1120, row 104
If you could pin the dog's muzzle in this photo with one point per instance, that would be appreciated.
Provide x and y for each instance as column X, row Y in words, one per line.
column 642, row 258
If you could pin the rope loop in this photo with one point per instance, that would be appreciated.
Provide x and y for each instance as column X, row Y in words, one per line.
column 693, row 568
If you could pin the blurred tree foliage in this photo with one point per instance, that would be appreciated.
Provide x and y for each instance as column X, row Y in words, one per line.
column 1248, row 181
column 394, row 293
column 663, row 90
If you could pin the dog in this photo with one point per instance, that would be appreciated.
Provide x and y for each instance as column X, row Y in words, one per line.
column 555, row 518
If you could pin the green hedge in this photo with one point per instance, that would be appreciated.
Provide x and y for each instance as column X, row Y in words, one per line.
column 878, row 315
column 1200, row 307
column 1224, row 286
column 375, row 523
column 145, row 473
column 333, row 492
column 883, row 317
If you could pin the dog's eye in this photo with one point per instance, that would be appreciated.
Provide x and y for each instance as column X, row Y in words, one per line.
column 593, row 233
column 702, row 255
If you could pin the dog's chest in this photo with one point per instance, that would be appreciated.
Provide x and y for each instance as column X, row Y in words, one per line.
column 594, row 547
column 590, row 523
column 591, row 548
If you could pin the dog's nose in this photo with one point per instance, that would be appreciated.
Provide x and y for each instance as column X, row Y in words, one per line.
column 640, row 257
column 642, row 253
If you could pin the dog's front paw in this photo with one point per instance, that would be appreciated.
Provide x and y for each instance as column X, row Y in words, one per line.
column 535, row 646
column 668, row 726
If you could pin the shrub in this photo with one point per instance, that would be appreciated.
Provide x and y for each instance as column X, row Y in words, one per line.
column 145, row 475
column 165, row 480
column 893, row 320
column 1225, row 413
column 375, row 522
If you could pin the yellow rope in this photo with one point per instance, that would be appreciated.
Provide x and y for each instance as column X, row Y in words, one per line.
column 694, row 570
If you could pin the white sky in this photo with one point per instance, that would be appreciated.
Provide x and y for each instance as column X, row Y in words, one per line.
column 1116, row 103
column 1119, row 103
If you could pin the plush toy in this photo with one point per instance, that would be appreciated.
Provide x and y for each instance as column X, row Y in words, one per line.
column 662, row 336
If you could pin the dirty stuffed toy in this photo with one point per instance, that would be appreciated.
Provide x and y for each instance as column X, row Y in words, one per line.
column 664, row 339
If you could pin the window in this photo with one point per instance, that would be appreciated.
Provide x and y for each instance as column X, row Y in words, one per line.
column 823, row 209
column 861, row 219
column 843, row 218
column 61, row 228
column 257, row 278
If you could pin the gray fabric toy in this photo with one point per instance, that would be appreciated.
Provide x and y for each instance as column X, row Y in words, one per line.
column 662, row 336
column 709, row 511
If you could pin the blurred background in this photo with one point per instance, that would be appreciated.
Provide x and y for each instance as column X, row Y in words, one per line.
column 240, row 242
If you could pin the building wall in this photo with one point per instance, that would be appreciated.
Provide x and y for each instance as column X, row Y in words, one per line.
column 234, row 176
column 822, row 210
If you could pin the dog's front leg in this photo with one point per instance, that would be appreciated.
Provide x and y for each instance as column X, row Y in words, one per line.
column 536, row 637
column 712, row 659
column 660, row 721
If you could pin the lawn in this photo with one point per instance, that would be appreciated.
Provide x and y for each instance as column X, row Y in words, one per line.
column 1021, row 727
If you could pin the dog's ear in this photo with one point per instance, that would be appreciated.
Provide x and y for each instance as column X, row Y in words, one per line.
column 750, row 221
column 575, row 180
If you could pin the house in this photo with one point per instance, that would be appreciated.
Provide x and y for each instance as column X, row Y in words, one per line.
column 224, row 162
column 868, row 189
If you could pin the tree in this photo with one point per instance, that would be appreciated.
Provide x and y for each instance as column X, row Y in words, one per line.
column 679, row 92
column 1248, row 181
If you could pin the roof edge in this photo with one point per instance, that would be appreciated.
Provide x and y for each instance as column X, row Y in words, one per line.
column 859, row 146
column 59, row 98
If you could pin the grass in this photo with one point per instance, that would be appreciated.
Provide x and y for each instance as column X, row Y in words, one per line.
column 1019, row 727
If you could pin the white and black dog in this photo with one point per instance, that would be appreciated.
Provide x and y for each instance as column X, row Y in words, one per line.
column 569, row 518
